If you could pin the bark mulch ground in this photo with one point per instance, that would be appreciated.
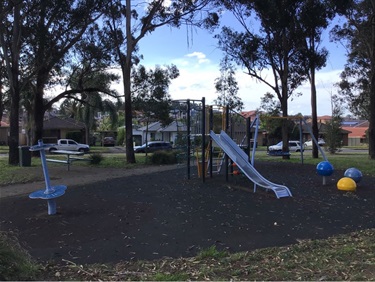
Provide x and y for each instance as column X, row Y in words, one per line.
column 164, row 214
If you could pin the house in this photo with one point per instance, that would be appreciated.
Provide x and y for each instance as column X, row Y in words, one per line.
column 4, row 133
column 155, row 131
column 358, row 131
column 323, row 129
column 56, row 128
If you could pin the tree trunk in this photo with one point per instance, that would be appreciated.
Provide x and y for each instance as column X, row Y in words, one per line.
column 13, row 141
column 130, row 157
column 12, row 65
column 39, row 109
column 371, row 128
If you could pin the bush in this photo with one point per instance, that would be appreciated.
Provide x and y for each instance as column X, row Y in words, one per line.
column 120, row 136
column 164, row 157
column 96, row 158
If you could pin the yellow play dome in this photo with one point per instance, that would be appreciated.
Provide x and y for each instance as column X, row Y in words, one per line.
column 346, row 184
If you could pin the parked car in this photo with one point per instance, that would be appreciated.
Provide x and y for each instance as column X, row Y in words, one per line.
column 309, row 143
column 68, row 145
column 294, row 146
column 109, row 141
column 153, row 146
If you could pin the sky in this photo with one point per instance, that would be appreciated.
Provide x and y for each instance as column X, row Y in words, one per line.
column 196, row 55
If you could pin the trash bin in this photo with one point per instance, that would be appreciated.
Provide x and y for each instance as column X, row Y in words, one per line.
column 24, row 155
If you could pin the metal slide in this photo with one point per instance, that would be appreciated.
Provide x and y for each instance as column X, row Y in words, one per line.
column 237, row 155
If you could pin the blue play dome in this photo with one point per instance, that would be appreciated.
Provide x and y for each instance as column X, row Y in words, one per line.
column 354, row 174
column 324, row 168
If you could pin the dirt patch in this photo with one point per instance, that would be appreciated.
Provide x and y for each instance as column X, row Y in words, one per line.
column 149, row 215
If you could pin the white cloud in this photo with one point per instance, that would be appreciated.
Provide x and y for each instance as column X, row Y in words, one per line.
column 201, row 57
column 198, row 74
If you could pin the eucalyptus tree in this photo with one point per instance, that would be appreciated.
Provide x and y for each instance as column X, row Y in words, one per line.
column 54, row 28
column 314, row 19
column 150, row 92
column 127, row 25
column 11, row 44
column 275, row 46
column 227, row 87
column 358, row 78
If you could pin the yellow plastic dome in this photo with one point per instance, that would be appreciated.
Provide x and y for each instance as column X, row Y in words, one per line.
column 346, row 184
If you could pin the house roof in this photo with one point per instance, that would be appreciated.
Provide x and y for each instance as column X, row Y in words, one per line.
column 356, row 131
column 322, row 127
column 153, row 126
column 174, row 127
column 157, row 126
column 62, row 123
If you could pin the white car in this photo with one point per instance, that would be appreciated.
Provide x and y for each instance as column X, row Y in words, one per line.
column 294, row 146
column 309, row 143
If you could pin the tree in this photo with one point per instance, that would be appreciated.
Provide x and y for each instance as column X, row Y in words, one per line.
column 127, row 25
column 10, row 43
column 90, row 103
column 276, row 46
column 358, row 78
column 315, row 16
column 332, row 135
column 54, row 27
column 314, row 19
column 227, row 87
column 150, row 90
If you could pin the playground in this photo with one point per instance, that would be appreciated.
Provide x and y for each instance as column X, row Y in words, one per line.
column 165, row 214
column 105, row 216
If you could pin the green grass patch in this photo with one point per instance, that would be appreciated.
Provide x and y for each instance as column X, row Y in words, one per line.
column 15, row 262
column 341, row 160
column 4, row 149
column 211, row 252
column 15, row 174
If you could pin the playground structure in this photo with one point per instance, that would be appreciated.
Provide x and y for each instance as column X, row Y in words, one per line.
column 238, row 156
column 237, row 126
column 234, row 143
column 51, row 192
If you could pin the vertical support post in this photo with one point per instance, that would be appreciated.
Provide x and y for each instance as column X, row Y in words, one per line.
column 248, row 137
column 188, row 138
column 301, row 139
column 203, row 138
column 226, row 156
column 256, row 121
column 45, row 169
column 211, row 125
column 51, row 203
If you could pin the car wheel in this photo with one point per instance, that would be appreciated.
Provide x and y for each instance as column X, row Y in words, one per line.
column 81, row 150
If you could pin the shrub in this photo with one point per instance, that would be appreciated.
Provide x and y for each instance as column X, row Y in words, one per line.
column 164, row 157
column 96, row 158
column 120, row 136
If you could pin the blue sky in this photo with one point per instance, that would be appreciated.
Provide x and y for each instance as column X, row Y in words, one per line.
column 195, row 53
